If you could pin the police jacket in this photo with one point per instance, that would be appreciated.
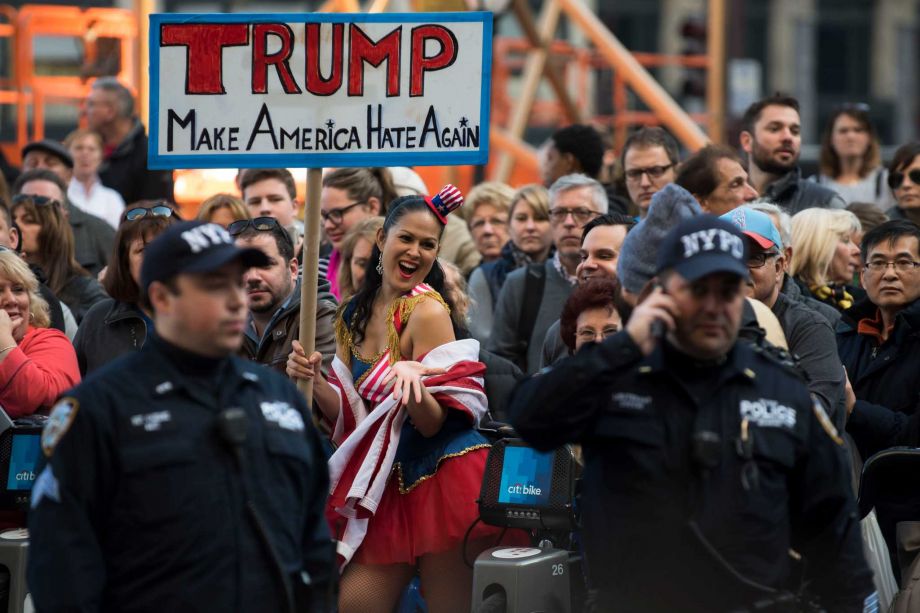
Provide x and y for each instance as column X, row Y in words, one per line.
column 142, row 504
column 678, row 520
column 794, row 194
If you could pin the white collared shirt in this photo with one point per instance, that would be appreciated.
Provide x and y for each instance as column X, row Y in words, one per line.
column 99, row 200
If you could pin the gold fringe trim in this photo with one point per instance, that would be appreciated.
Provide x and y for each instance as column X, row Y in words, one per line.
column 402, row 307
column 342, row 332
column 399, row 475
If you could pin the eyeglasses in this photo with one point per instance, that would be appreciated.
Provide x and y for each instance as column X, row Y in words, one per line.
column 900, row 265
column 581, row 215
column 653, row 172
column 759, row 260
column 336, row 215
column 35, row 200
column 896, row 179
column 159, row 210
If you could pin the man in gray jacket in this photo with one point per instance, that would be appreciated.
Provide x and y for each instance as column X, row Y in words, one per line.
column 772, row 140
column 532, row 296
column 810, row 336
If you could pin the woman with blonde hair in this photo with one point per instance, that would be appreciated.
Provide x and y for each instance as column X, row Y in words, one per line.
column 530, row 242
column 223, row 209
column 487, row 217
column 37, row 363
column 825, row 260
column 356, row 253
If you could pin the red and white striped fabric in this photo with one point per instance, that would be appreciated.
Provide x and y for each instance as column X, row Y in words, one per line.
column 362, row 464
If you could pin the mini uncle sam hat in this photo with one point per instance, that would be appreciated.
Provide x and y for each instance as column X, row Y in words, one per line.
column 703, row 245
column 756, row 225
column 445, row 202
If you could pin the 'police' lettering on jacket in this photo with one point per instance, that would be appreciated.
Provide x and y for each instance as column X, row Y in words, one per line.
column 628, row 400
column 283, row 414
column 768, row 413
column 151, row 422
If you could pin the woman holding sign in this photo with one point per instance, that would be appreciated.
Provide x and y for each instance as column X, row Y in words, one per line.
column 405, row 398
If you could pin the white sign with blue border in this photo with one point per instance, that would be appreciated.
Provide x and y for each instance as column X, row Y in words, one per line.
column 319, row 90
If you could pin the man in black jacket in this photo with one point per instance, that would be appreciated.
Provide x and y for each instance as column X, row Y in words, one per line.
column 110, row 111
column 182, row 478
column 879, row 343
column 706, row 461
column 771, row 139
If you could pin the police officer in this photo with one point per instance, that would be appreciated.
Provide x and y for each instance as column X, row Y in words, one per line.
column 181, row 478
column 706, row 459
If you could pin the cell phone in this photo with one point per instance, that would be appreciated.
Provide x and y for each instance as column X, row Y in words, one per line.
column 658, row 327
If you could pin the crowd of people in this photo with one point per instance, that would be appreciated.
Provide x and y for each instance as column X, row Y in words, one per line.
column 437, row 311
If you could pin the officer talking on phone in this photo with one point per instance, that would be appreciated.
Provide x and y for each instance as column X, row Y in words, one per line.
column 181, row 478
column 707, row 461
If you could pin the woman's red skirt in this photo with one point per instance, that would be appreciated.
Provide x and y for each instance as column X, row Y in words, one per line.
column 432, row 517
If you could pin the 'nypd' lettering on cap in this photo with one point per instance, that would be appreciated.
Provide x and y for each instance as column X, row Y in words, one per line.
column 193, row 247
column 703, row 245
column 205, row 236
column 713, row 239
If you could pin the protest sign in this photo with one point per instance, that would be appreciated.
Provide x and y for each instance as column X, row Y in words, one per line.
column 315, row 90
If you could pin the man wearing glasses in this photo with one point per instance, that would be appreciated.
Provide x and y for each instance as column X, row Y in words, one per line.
column 532, row 296
column 273, row 297
column 809, row 334
column 878, row 344
column 649, row 162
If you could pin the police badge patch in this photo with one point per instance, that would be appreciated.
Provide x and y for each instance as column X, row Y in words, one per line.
column 825, row 421
column 58, row 424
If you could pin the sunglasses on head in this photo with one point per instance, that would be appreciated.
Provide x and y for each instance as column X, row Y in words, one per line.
column 35, row 200
column 896, row 179
column 259, row 224
column 158, row 210
column 262, row 224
